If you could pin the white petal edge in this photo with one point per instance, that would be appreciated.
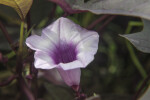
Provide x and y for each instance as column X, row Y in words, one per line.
column 52, row 36
column 39, row 43
column 87, row 48
column 73, row 32
column 68, row 31
column 85, row 59
column 72, row 65
column 43, row 61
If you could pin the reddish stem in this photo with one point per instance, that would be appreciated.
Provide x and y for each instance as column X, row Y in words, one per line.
column 79, row 95
column 66, row 7
column 28, row 21
column 97, row 21
column 141, row 88
column 3, row 59
column 25, row 88
column 21, row 82
column 52, row 13
column 5, row 32
column 106, row 23
column 8, row 81
column 32, row 77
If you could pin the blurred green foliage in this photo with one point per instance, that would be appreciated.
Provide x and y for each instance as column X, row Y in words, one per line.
column 112, row 74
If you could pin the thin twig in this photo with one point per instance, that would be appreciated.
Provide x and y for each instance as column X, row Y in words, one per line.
column 79, row 94
column 106, row 23
column 33, row 73
column 19, row 68
column 21, row 82
column 5, row 32
column 141, row 88
column 8, row 81
column 97, row 21
column 25, row 88
column 66, row 7
column 35, row 83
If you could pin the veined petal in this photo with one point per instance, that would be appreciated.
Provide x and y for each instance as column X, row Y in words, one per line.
column 39, row 43
column 43, row 60
column 53, row 76
column 87, row 49
column 52, row 36
column 64, row 31
column 71, row 77
column 68, row 30
column 71, row 65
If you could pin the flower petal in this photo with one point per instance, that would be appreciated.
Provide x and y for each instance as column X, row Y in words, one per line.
column 71, row 65
column 52, row 36
column 68, row 30
column 39, row 43
column 43, row 61
column 64, row 31
column 71, row 77
column 53, row 76
column 87, row 49
column 86, row 41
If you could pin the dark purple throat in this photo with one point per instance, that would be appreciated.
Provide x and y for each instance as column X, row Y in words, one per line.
column 64, row 53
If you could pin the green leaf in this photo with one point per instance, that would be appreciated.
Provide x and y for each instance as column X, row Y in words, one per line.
column 141, row 40
column 21, row 6
column 138, row 8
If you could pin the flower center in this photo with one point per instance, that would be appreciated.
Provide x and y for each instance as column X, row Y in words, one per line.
column 64, row 53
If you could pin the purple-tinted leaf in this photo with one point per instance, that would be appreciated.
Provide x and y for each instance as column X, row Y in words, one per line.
column 66, row 7
column 141, row 40
column 138, row 8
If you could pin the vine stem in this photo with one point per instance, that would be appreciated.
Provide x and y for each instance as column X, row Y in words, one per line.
column 79, row 95
column 8, row 81
column 28, row 21
column 52, row 13
column 21, row 38
column 97, row 21
column 131, row 50
column 21, row 82
column 20, row 51
column 136, row 61
column 106, row 23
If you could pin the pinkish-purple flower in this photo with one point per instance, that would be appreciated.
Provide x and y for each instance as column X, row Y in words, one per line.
column 65, row 46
